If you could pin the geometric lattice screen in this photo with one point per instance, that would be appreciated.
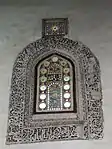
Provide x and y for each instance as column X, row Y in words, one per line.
column 55, row 90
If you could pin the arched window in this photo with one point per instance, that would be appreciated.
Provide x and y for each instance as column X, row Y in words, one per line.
column 54, row 87
column 55, row 90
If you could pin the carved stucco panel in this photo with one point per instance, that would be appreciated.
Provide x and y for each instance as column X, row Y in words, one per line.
column 87, row 123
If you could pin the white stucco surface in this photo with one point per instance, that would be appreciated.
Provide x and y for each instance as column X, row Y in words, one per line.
column 89, row 23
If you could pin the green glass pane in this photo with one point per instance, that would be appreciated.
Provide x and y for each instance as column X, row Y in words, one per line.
column 54, row 96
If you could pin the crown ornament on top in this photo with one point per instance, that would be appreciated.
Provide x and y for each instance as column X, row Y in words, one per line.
column 55, row 27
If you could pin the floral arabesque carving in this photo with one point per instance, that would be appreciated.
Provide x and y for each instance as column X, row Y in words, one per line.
column 24, row 127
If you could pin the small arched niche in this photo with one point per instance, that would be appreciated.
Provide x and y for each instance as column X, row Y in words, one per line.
column 54, row 85
column 55, row 93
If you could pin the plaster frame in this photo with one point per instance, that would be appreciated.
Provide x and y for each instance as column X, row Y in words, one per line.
column 87, row 123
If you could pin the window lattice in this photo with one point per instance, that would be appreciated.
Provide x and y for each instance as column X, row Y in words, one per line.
column 54, row 85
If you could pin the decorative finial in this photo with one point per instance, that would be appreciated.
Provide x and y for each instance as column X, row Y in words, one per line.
column 55, row 27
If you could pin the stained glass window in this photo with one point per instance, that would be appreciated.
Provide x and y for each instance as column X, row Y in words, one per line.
column 54, row 85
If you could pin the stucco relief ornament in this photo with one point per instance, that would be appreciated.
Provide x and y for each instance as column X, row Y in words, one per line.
column 55, row 90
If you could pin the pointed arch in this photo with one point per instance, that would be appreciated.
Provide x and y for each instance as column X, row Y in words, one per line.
column 55, row 72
